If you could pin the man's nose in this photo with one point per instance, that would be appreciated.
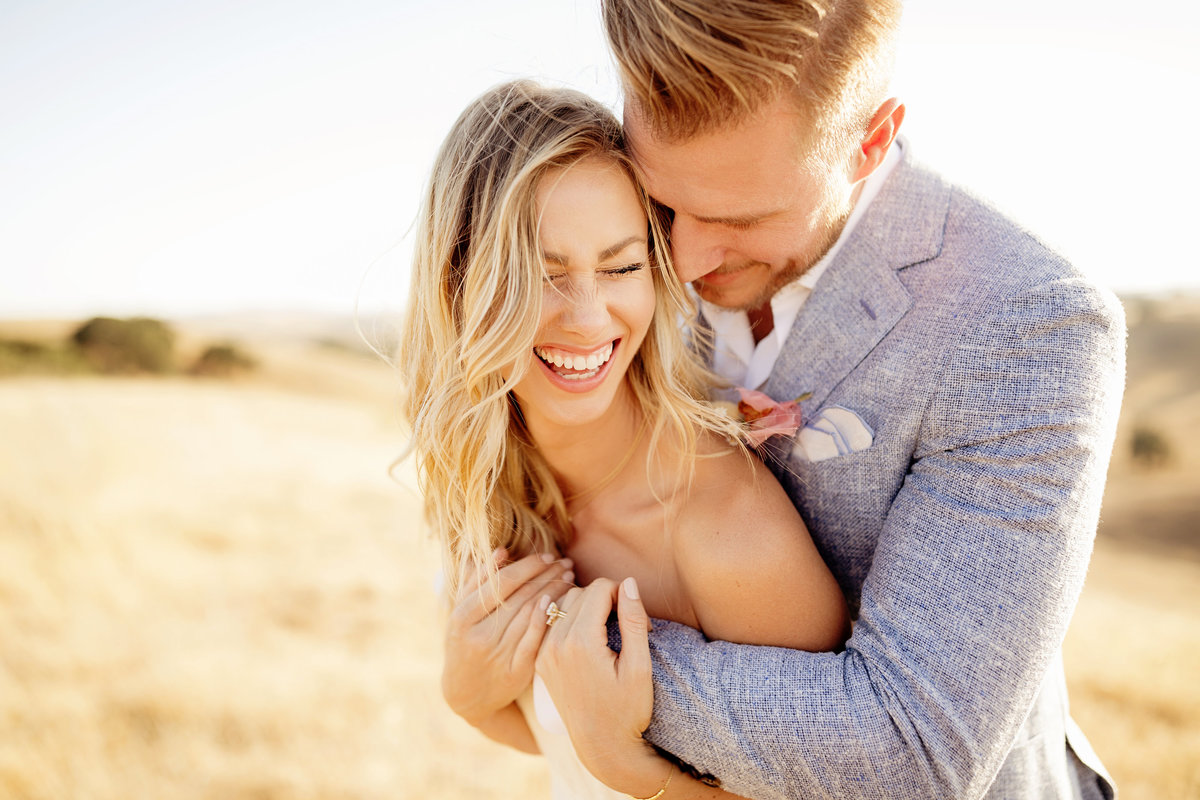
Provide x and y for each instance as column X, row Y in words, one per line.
column 695, row 247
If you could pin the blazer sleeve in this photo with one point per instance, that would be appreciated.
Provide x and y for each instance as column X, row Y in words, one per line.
column 973, row 582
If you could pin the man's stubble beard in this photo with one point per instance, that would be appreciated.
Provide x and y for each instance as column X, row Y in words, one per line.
column 793, row 269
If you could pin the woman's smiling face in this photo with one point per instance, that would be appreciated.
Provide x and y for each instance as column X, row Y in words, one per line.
column 597, row 298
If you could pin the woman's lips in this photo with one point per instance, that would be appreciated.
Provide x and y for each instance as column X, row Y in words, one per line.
column 576, row 380
column 568, row 360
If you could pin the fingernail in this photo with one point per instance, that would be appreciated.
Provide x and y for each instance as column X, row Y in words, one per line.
column 567, row 563
column 499, row 553
column 569, row 576
column 547, row 557
column 543, row 602
column 631, row 590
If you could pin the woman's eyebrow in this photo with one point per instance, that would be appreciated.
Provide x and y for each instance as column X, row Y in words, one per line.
column 609, row 252
column 606, row 253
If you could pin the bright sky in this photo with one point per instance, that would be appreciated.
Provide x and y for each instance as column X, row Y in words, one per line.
column 174, row 158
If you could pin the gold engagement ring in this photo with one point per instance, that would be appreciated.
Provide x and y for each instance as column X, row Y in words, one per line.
column 554, row 613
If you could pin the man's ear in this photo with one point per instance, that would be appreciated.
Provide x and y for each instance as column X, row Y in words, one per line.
column 881, row 132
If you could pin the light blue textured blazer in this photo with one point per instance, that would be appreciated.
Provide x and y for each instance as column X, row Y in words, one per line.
column 990, row 372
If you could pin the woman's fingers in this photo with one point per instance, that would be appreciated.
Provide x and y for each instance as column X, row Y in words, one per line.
column 534, row 632
column 512, row 577
column 484, row 599
column 635, row 631
column 582, row 635
column 555, row 581
column 594, row 604
column 488, row 658
column 518, row 614
column 586, row 612
column 605, row 699
column 471, row 575
column 564, row 604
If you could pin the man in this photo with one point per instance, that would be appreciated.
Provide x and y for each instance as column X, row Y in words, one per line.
column 965, row 385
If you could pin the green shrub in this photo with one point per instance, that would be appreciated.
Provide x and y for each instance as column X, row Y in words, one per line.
column 222, row 361
column 1149, row 447
column 127, row 346
column 21, row 357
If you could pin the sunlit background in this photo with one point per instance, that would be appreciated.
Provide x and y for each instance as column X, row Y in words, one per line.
column 175, row 159
column 210, row 584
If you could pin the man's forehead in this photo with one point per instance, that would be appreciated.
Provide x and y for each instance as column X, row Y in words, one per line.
column 724, row 176
column 781, row 119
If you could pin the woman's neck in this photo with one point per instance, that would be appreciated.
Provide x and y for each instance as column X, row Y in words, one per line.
column 590, row 457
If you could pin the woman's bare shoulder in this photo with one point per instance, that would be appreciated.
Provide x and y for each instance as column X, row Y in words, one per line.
column 731, row 486
column 741, row 547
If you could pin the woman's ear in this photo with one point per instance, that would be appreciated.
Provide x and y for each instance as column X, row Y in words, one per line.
column 881, row 132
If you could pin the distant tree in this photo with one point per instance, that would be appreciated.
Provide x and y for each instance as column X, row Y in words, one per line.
column 19, row 356
column 222, row 361
column 125, row 346
column 1149, row 448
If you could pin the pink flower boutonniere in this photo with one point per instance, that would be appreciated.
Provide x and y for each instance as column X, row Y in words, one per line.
column 763, row 418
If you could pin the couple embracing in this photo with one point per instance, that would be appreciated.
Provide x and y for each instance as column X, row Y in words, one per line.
column 871, row 605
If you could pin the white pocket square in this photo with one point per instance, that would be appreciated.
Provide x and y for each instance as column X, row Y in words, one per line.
column 836, row 431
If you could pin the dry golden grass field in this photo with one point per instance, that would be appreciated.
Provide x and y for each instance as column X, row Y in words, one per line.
column 213, row 589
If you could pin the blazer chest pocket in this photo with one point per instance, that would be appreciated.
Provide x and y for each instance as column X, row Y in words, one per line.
column 834, row 432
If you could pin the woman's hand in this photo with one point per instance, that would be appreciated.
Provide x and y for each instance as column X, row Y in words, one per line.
column 605, row 699
column 492, row 641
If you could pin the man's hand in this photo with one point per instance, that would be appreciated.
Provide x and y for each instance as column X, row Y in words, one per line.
column 492, row 639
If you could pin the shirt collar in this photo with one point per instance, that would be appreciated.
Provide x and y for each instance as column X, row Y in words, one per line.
column 738, row 358
column 788, row 299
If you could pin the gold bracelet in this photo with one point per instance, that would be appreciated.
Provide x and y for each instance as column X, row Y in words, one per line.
column 661, row 791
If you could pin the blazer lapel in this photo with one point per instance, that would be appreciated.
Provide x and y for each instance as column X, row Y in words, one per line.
column 860, row 297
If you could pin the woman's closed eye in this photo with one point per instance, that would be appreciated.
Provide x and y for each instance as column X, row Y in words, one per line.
column 559, row 278
column 624, row 270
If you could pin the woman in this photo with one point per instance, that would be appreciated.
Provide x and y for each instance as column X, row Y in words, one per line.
column 562, row 436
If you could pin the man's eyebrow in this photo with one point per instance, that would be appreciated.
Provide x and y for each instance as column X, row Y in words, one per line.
column 739, row 220
column 603, row 255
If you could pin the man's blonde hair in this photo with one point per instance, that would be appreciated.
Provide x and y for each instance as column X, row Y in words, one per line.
column 692, row 66
column 473, row 314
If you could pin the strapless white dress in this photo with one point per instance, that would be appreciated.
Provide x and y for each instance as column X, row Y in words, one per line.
column 569, row 778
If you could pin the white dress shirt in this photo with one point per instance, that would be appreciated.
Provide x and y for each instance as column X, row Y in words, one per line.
column 735, row 355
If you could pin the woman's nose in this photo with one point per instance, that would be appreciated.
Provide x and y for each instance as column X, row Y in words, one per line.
column 586, row 309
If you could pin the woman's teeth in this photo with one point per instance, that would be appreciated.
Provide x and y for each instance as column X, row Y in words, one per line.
column 581, row 366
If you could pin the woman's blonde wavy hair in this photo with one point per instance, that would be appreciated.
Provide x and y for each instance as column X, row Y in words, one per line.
column 474, row 307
